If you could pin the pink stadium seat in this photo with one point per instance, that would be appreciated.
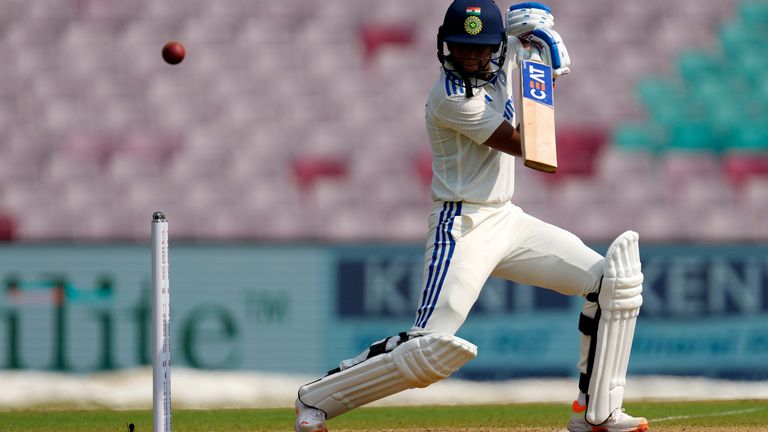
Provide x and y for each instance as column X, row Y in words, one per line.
column 7, row 227
column 707, row 192
column 531, row 190
column 590, row 221
column 91, row 147
column 18, row 164
column 125, row 168
column 63, row 166
column 580, row 191
column 741, row 167
column 86, row 228
column 578, row 150
column 340, row 85
column 422, row 165
column 375, row 35
column 403, row 225
column 345, row 223
column 38, row 227
column 307, row 169
column 293, row 226
column 34, row 205
column 681, row 167
column 659, row 224
column 328, row 193
column 111, row 10
column 397, row 190
column 152, row 146
column 753, row 197
column 754, row 200
column 721, row 224
column 198, row 163
column 211, row 30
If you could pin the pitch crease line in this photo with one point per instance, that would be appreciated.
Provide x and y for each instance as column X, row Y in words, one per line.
column 743, row 411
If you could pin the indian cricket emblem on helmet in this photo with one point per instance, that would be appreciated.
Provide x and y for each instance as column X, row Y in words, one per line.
column 473, row 25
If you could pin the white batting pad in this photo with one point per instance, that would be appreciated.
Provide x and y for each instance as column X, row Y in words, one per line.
column 620, row 300
column 417, row 362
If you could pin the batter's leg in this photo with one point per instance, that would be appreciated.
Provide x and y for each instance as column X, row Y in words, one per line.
column 460, row 254
column 550, row 257
column 547, row 256
column 458, row 259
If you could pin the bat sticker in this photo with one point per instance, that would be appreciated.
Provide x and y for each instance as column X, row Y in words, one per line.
column 537, row 82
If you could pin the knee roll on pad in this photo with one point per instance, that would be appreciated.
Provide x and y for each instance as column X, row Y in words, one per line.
column 417, row 362
column 619, row 300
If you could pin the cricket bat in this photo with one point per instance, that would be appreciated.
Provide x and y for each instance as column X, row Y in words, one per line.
column 537, row 114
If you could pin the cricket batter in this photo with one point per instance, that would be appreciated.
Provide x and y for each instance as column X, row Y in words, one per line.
column 477, row 231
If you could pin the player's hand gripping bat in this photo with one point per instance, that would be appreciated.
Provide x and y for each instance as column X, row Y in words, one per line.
column 537, row 113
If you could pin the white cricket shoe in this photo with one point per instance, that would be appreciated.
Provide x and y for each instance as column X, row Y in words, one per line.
column 309, row 419
column 618, row 421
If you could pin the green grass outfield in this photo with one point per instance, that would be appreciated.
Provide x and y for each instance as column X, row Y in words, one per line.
column 748, row 415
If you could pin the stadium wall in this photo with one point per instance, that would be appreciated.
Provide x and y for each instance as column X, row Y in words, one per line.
column 299, row 309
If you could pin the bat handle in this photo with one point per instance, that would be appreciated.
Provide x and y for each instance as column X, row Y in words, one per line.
column 513, row 46
column 535, row 55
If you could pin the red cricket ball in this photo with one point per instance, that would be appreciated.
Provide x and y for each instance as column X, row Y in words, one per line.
column 173, row 52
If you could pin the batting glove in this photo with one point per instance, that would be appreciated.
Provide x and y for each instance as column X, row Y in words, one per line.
column 524, row 18
column 551, row 49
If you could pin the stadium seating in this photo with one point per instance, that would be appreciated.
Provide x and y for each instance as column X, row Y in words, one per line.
column 7, row 227
column 304, row 121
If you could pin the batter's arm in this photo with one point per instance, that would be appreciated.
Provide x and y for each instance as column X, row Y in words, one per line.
column 506, row 138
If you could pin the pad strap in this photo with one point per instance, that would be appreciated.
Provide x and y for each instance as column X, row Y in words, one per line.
column 584, row 378
column 588, row 327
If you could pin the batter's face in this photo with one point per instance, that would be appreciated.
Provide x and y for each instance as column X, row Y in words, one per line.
column 471, row 58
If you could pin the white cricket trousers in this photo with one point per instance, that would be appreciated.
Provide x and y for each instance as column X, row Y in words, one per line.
column 467, row 243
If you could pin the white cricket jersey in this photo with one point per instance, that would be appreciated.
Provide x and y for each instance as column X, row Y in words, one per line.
column 463, row 168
